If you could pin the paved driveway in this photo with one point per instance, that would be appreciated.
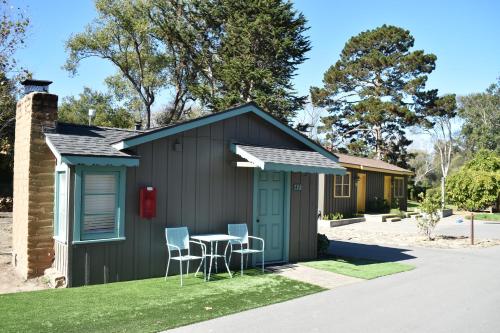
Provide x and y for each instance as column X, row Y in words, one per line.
column 452, row 290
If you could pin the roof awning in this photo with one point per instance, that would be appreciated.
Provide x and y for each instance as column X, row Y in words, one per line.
column 282, row 159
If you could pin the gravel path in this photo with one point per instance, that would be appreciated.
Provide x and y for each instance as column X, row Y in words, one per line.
column 10, row 282
column 448, row 233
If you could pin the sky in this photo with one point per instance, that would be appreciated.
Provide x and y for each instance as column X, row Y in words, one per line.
column 464, row 35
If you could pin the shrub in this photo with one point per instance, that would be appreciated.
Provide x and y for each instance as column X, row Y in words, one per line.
column 333, row 216
column 476, row 185
column 6, row 204
column 377, row 206
column 323, row 244
column 431, row 204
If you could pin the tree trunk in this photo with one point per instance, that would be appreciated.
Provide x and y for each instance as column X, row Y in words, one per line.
column 148, row 116
column 443, row 181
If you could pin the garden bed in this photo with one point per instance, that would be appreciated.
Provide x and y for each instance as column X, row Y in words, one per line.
column 341, row 222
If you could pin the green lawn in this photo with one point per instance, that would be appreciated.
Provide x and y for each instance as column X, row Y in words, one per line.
column 413, row 205
column 143, row 306
column 360, row 268
column 485, row 216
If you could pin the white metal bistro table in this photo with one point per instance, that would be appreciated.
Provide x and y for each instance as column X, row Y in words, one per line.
column 215, row 238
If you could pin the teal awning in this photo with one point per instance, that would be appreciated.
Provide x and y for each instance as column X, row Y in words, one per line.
column 283, row 159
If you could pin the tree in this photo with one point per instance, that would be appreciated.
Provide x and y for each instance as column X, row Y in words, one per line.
column 422, row 166
column 122, row 36
column 243, row 51
column 441, row 116
column 476, row 185
column 430, row 217
column 108, row 113
column 375, row 90
column 260, row 45
column 481, row 115
column 13, row 28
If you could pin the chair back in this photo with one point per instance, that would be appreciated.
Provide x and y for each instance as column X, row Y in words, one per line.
column 177, row 237
column 238, row 230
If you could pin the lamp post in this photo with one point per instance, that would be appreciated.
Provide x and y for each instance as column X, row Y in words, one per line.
column 91, row 115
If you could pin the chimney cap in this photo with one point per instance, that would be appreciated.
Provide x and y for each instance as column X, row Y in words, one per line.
column 31, row 85
column 31, row 82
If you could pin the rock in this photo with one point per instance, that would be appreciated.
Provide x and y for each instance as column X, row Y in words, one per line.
column 54, row 278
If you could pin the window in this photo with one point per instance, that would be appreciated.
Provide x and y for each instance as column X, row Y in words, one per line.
column 100, row 204
column 342, row 186
column 61, row 203
column 399, row 187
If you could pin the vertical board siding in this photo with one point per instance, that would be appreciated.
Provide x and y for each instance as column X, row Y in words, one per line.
column 374, row 189
column 198, row 186
column 303, row 219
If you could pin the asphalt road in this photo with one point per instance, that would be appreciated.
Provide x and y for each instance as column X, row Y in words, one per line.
column 450, row 291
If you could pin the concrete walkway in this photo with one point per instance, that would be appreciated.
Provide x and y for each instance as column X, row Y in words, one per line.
column 325, row 279
column 451, row 290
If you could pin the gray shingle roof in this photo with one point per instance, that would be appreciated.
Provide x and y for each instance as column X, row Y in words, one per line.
column 289, row 159
column 71, row 139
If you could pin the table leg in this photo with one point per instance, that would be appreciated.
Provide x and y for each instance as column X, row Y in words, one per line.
column 216, row 258
column 211, row 258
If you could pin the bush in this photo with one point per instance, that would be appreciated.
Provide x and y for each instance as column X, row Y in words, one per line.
column 431, row 205
column 333, row 216
column 476, row 185
column 323, row 244
column 6, row 204
column 377, row 206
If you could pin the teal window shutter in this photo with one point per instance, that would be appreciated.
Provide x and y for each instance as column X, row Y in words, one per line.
column 100, row 193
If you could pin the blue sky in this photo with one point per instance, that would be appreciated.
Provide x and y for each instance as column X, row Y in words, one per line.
column 465, row 36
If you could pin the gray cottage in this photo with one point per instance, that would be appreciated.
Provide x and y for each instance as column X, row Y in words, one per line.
column 76, row 189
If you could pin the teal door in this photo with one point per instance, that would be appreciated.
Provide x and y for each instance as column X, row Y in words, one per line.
column 269, row 213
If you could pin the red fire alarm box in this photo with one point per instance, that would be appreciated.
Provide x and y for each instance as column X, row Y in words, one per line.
column 147, row 202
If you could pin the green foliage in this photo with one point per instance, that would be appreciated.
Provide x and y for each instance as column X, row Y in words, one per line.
column 430, row 207
column 481, row 115
column 75, row 110
column 477, row 184
column 377, row 206
column 122, row 36
column 323, row 244
column 13, row 28
column 241, row 50
column 333, row 216
column 376, row 90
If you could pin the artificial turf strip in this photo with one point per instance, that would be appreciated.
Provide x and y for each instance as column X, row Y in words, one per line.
column 144, row 306
column 494, row 217
column 359, row 268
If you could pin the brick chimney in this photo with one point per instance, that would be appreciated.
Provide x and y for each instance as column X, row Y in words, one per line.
column 32, row 230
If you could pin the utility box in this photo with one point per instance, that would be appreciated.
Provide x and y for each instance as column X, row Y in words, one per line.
column 147, row 202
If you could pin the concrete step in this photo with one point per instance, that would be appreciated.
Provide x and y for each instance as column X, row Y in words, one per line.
column 386, row 217
column 394, row 219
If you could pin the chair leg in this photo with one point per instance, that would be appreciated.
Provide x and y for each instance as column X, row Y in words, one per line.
column 210, row 268
column 180, row 265
column 199, row 266
column 168, row 266
column 242, row 257
column 187, row 269
column 262, row 261
column 246, row 266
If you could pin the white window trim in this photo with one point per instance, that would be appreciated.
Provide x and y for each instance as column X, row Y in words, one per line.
column 342, row 186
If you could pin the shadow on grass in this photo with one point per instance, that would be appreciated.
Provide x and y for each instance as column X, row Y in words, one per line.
column 368, row 251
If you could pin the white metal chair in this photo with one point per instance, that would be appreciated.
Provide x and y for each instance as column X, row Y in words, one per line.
column 241, row 231
column 178, row 240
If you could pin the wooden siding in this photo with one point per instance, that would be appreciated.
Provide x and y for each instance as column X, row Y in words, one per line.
column 198, row 187
column 303, row 217
column 374, row 189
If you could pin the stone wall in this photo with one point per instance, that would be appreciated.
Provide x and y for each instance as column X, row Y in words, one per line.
column 34, row 163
